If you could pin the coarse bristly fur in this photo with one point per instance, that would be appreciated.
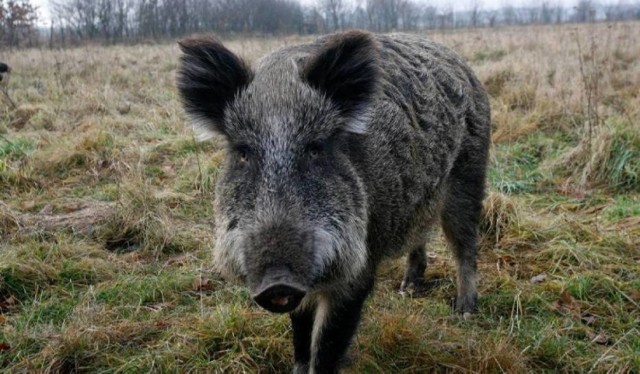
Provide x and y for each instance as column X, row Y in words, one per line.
column 340, row 153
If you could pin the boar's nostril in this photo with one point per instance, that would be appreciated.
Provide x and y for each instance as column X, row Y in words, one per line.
column 280, row 297
column 281, row 300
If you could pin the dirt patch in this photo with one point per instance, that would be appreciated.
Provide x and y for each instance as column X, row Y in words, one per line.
column 81, row 217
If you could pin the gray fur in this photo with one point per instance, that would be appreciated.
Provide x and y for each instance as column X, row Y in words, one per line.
column 343, row 152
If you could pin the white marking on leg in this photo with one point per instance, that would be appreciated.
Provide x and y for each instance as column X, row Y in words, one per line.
column 322, row 312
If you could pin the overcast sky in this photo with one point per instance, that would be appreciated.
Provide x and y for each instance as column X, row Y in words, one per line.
column 43, row 5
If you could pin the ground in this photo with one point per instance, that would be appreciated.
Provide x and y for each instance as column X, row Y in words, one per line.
column 105, row 220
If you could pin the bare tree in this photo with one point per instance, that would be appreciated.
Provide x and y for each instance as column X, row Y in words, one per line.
column 333, row 9
column 492, row 17
column 429, row 17
column 475, row 13
column 359, row 19
column 546, row 13
column 383, row 14
column 446, row 18
column 409, row 13
column 510, row 15
column 532, row 14
column 585, row 11
column 17, row 23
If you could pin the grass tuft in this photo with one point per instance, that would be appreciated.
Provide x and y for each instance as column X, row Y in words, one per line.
column 611, row 160
column 500, row 213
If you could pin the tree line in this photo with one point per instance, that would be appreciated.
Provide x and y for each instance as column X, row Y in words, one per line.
column 17, row 23
column 115, row 21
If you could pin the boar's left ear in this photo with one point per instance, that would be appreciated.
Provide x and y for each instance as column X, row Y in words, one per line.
column 209, row 78
column 346, row 70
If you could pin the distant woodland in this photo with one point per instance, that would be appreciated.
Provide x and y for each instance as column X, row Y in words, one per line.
column 75, row 22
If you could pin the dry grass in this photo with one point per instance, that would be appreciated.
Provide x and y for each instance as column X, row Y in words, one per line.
column 127, row 286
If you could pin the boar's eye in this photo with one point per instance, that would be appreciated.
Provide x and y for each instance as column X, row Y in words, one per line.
column 314, row 150
column 243, row 153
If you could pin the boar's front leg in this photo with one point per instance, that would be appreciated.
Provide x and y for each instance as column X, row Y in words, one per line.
column 302, row 325
column 335, row 320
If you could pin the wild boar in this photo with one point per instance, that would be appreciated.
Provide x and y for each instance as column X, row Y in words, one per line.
column 340, row 153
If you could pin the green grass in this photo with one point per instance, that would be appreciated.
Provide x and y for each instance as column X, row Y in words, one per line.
column 16, row 149
column 623, row 167
column 515, row 166
column 136, row 292
column 493, row 56
column 623, row 206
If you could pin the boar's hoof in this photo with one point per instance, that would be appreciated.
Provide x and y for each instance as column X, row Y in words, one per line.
column 466, row 305
column 419, row 287
column 280, row 297
column 301, row 368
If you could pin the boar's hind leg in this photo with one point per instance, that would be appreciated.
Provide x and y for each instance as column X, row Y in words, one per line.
column 460, row 217
column 414, row 275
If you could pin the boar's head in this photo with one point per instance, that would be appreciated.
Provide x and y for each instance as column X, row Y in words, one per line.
column 291, row 206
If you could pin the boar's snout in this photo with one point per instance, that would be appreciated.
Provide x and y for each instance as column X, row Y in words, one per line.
column 279, row 293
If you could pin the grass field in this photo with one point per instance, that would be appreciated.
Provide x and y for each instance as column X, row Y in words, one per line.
column 105, row 221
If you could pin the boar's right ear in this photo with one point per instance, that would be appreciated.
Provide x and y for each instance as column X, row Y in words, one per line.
column 346, row 70
column 209, row 78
